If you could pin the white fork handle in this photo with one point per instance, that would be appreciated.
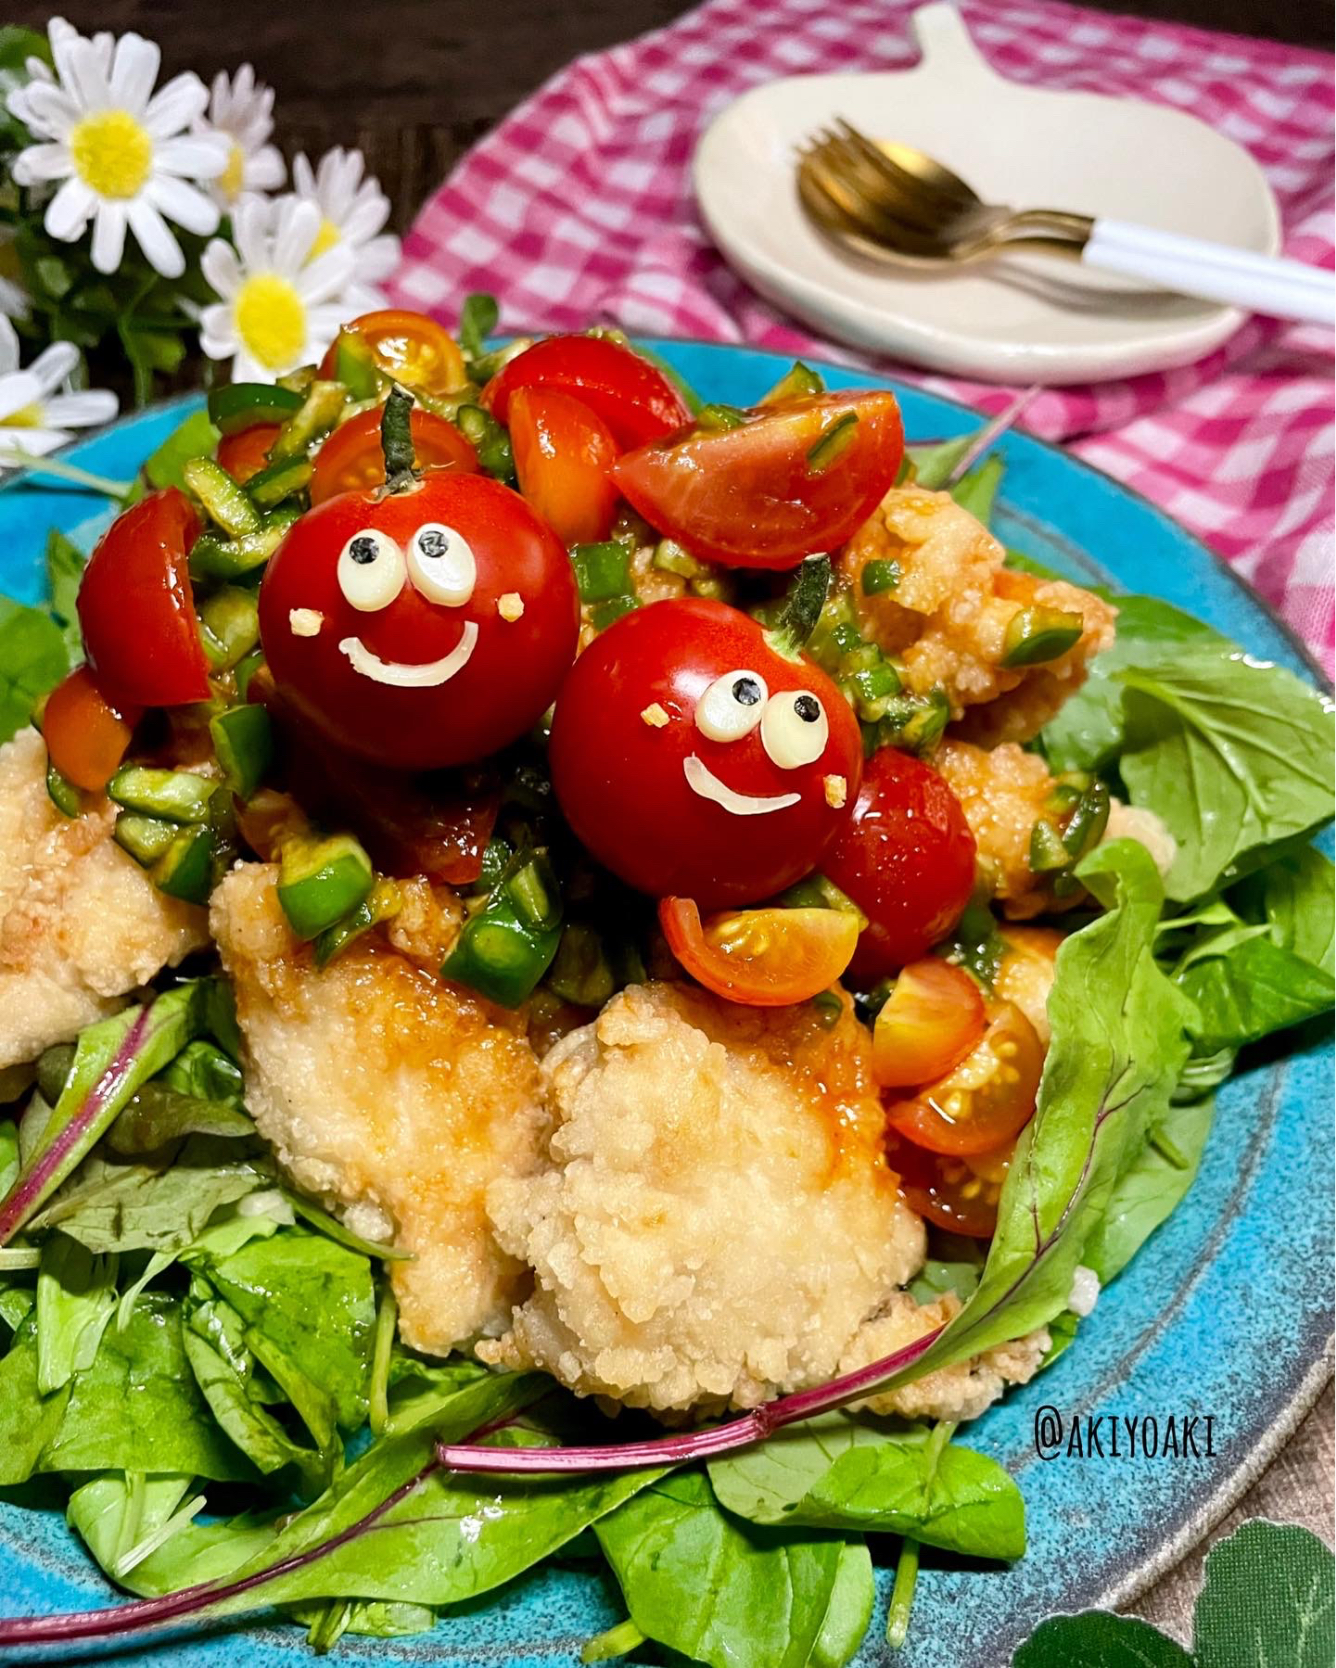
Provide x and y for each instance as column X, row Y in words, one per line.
column 1214, row 271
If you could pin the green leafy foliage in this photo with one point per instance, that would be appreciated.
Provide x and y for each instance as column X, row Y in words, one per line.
column 34, row 658
column 194, row 437
column 1250, row 989
column 64, row 570
column 76, row 1295
column 1295, row 895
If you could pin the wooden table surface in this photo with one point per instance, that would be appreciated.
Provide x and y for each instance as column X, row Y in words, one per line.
column 414, row 83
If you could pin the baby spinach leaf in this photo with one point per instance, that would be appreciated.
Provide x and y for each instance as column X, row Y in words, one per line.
column 1268, row 1601
column 9, row 1155
column 976, row 490
column 76, row 1295
column 849, row 1609
column 955, row 1268
column 837, row 1472
column 1233, row 756
column 1296, row 896
column 121, row 1514
column 1087, row 733
column 194, row 437
column 33, row 660
column 65, row 563
column 137, row 1407
column 1251, row 990
column 202, row 1069
column 28, row 1420
column 330, row 1621
column 717, row 1589
column 1098, row 1639
column 158, row 1115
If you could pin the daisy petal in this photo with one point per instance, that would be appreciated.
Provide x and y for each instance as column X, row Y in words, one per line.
column 40, row 164
column 87, row 77
column 134, row 69
column 82, row 411
column 250, row 228
column 36, row 442
column 378, row 259
column 265, row 170
column 327, row 274
column 366, row 218
column 176, row 105
column 217, row 334
column 9, row 349
column 108, row 236
column 47, row 110
column 221, row 267
column 303, row 179
column 295, row 233
column 183, row 204
column 52, row 365
column 199, row 156
column 17, row 390
column 154, row 237
column 69, row 211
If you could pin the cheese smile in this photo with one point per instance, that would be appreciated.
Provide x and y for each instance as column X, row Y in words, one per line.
column 401, row 674
column 702, row 780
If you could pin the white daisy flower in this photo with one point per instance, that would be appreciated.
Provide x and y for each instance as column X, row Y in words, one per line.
column 242, row 110
column 353, row 210
column 34, row 417
column 283, row 299
column 118, row 148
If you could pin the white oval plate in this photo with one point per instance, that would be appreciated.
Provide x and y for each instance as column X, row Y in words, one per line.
column 1019, row 318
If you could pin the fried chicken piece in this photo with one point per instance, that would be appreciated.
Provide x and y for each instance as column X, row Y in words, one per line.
column 717, row 1219
column 952, row 1393
column 391, row 1094
column 947, row 617
column 1026, row 974
column 1003, row 793
column 81, row 924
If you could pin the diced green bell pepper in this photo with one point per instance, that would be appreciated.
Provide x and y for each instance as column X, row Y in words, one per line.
column 319, row 412
column 185, row 870
column 243, row 739
column 355, row 366
column 215, row 558
column 1088, row 821
column 229, row 623
column 581, row 972
column 177, row 796
column 1036, row 635
column 489, row 440
column 610, row 611
column 879, row 576
column 381, row 903
column 601, row 570
column 833, row 444
column 243, row 405
column 1048, row 854
column 800, row 382
column 278, row 481
column 223, row 499
column 63, row 794
column 145, row 838
column 321, row 881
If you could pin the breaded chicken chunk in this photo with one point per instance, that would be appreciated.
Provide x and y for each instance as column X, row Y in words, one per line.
column 81, row 924
column 389, row 1093
column 716, row 1220
column 947, row 616
column 1003, row 793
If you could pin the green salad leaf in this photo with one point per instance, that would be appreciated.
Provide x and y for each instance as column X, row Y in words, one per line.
column 65, row 564
column 76, row 1297
column 1295, row 894
column 194, row 437
column 33, row 660
column 1250, row 989
column 29, row 1420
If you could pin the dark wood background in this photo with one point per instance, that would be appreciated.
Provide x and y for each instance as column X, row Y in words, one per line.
column 414, row 83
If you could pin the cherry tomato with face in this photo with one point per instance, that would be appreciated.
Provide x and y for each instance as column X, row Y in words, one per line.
column 763, row 958
column 422, row 627
column 633, row 397
column 563, row 457
column 351, row 459
column 695, row 760
column 86, row 736
column 410, row 347
column 985, row 1100
column 932, row 1019
column 136, row 610
column 906, row 858
column 958, row 1194
column 246, row 452
column 786, row 483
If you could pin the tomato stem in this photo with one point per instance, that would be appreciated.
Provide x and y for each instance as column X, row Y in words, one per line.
column 396, row 440
column 802, row 607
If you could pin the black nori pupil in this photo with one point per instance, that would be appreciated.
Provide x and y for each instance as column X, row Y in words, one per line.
column 808, row 708
column 746, row 692
column 363, row 549
column 432, row 542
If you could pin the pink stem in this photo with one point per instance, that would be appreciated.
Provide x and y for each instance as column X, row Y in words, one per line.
column 15, row 1208
column 681, row 1450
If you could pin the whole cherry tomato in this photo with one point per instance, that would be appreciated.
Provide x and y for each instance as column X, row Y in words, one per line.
column 932, row 1019
column 563, row 457
column 635, row 400
column 420, row 627
column 136, row 611
column 86, row 736
column 763, row 958
column 410, row 347
column 789, row 481
column 695, row 760
column 958, row 1194
column 246, row 452
column 984, row 1100
column 906, row 858
column 351, row 459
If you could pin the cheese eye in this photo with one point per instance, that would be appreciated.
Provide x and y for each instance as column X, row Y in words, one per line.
column 732, row 706
column 371, row 570
column 441, row 564
column 794, row 729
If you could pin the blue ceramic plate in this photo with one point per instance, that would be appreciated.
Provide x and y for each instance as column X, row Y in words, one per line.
column 1225, row 1312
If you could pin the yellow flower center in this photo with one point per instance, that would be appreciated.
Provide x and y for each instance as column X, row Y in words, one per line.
column 112, row 153
column 271, row 321
column 28, row 417
column 233, row 177
column 328, row 235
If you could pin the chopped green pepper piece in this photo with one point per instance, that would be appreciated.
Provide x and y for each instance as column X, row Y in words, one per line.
column 229, row 626
column 279, row 481
column 607, row 613
column 496, row 855
column 321, row 881
column 833, row 443
column 828, row 1007
column 581, row 972
column 499, row 955
column 489, row 440
column 1035, row 635
column 319, row 412
column 355, row 366
column 63, row 794
column 215, row 558
column 176, row 795
column 816, row 892
column 801, row 382
column 382, row 902
column 243, row 405
column 671, row 558
column 224, row 501
column 243, row 739
column 534, row 894
column 720, row 417
column 145, row 838
column 1047, row 852
column 880, row 576
column 185, row 869
column 1086, row 825
column 601, row 570
column 245, row 669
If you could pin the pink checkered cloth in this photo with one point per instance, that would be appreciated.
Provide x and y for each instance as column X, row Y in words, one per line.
column 578, row 209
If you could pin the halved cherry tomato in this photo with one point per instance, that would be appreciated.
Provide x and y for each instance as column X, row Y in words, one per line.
column 635, row 400
column 906, row 858
column 410, row 347
column 563, row 457
column 958, row 1194
column 986, row 1100
column 765, row 494
column 246, row 452
column 136, row 611
column 763, row 958
column 351, row 460
column 932, row 1020
column 86, row 736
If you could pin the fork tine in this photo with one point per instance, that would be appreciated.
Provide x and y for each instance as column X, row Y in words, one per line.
column 937, row 197
column 846, row 161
